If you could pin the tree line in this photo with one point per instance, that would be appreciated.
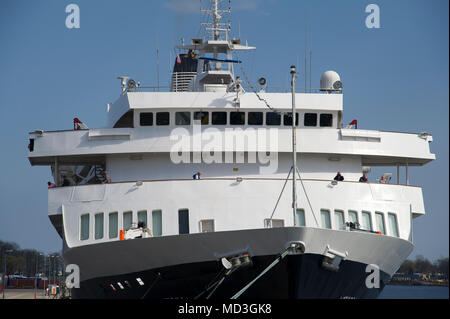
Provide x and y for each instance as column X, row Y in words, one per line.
column 28, row 262
column 423, row 265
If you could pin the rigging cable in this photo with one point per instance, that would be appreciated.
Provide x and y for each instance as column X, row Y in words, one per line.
column 279, row 112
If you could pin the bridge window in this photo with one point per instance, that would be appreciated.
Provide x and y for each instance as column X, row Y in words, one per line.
column 113, row 225
column 273, row 118
column 326, row 219
column 255, row 118
column 339, row 219
column 366, row 222
column 300, row 217
column 288, row 119
column 219, row 118
column 379, row 219
column 203, row 117
column 84, row 227
column 310, row 119
column 237, row 118
column 207, row 225
column 127, row 220
column 126, row 120
column 183, row 221
column 157, row 223
column 146, row 119
column 326, row 120
column 98, row 219
column 393, row 226
column 183, row 118
column 162, row 118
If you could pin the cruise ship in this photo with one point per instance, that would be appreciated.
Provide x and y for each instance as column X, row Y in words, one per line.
column 211, row 190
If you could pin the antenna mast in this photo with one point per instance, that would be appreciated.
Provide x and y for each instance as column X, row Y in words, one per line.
column 216, row 27
column 294, row 146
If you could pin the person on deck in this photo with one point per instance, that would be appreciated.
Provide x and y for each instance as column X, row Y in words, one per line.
column 339, row 177
column 363, row 179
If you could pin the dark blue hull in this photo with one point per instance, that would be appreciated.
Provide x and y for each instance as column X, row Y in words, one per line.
column 295, row 277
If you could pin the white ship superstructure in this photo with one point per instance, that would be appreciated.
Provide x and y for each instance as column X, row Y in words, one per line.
column 241, row 142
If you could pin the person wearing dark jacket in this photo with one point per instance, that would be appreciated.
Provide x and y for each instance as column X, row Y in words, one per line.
column 363, row 179
column 339, row 177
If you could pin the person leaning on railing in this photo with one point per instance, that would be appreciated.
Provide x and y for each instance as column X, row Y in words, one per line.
column 363, row 178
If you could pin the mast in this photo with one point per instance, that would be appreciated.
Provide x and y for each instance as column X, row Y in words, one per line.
column 294, row 147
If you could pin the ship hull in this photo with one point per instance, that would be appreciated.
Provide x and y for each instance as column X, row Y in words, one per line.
column 107, row 269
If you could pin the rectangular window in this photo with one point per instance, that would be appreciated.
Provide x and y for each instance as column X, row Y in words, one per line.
column 366, row 222
column 127, row 220
column 162, row 118
column 393, row 226
column 326, row 120
column 288, row 119
column 146, row 119
column 113, row 224
column 183, row 118
column 142, row 217
column 379, row 219
column 274, row 223
column 203, row 117
column 353, row 216
column 157, row 223
column 273, row 118
column 237, row 118
column 255, row 118
column 207, row 225
column 219, row 118
column 84, row 227
column 326, row 220
column 339, row 219
column 310, row 119
column 300, row 217
column 98, row 222
column 183, row 221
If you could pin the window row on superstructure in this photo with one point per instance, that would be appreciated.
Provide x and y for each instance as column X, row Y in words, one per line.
column 337, row 220
column 165, row 118
column 363, row 219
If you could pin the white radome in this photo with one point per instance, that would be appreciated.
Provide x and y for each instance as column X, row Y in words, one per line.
column 330, row 81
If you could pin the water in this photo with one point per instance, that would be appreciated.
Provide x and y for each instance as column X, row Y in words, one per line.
column 414, row 292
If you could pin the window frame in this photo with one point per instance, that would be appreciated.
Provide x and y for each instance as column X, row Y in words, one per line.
column 235, row 113
column 304, row 119
column 88, row 226
column 146, row 113
column 184, row 112
column 342, row 213
column 128, row 212
column 364, row 212
column 256, row 112
column 323, row 210
column 202, row 117
column 157, row 119
column 378, row 213
column 102, row 225
column 320, row 119
column 214, row 119
column 397, row 229
column 109, row 225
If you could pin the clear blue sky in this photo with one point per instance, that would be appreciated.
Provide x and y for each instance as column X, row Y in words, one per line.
column 395, row 78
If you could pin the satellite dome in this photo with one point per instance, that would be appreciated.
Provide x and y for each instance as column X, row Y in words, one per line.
column 330, row 81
